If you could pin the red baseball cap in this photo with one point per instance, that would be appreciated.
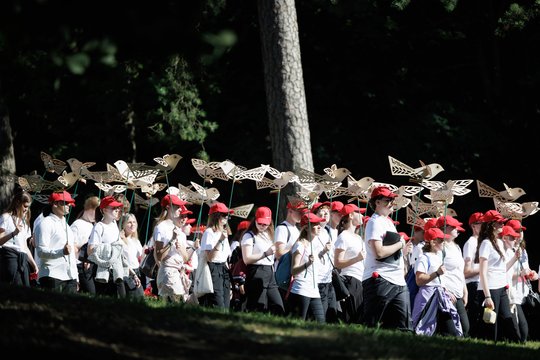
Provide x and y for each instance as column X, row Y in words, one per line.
column 336, row 206
column 61, row 196
column 475, row 218
column 430, row 223
column 449, row 221
column 349, row 208
column 365, row 220
column 190, row 221
column 220, row 208
column 185, row 211
column 509, row 231
column 317, row 205
column 109, row 201
column 299, row 206
column 383, row 191
column 404, row 236
column 311, row 219
column 172, row 200
column 263, row 215
column 493, row 215
column 435, row 233
column 243, row 225
column 516, row 225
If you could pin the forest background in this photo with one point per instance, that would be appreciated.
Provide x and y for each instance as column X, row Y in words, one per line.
column 451, row 82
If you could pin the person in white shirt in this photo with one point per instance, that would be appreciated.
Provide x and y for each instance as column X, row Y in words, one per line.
column 258, row 254
column 434, row 312
column 171, row 250
column 133, row 252
column 55, row 246
column 518, row 275
column 349, row 257
column 286, row 233
column 304, row 298
column 215, row 244
column 386, row 296
column 82, row 228
column 471, row 271
column 15, row 233
column 105, row 249
column 454, row 278
column 492, row 289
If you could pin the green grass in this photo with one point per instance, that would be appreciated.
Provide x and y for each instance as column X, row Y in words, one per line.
column 35, row 322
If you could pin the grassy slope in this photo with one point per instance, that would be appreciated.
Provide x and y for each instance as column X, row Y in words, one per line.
column 37, row 322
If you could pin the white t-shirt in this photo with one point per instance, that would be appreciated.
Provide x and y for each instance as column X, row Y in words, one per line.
column 82, row 230
column 104, row 234
column 163, row 233
column 352, row 244
column 209, row 240
column 469, row 253
column 496, row 272
column 133, row 252
column 429, row 266
column 453, row 279
column 18, row 242
column 260, row 243
column 319, row 243
column 305, row 282
column 281, row 235
column 376, row 229
column 518, row 289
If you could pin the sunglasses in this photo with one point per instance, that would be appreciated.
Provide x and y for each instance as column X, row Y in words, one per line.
column 262, row 224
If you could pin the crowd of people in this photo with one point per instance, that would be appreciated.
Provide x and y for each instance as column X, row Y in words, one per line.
column 427, row 284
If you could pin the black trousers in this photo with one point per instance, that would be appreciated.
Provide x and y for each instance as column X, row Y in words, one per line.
column 353, row 306
column 306, row 308
column 14, row 267
column 386, row 304
column 505, row 328
column 221, row 279
column 262, row 290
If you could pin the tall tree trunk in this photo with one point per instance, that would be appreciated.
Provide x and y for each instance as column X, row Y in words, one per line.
column 7, row 155
column 284, row 83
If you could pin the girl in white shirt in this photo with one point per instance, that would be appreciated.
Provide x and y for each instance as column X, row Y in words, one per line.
column 304, row 298
column 133, row 252
column 492, row 289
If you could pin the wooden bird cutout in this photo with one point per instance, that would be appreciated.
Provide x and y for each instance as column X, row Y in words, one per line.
column 44, row 199
column 424, row 172
column 76, row 166
column 53, row 165
column 333, row 173
column 242, row 211
column 280, row 180
column 309, row 177
column 209, row 170
column 134, row 174
column 110, row 189
column 506, row 195
column 515, row 210
column 414, row 219
column 145, row 203
column 445, row 192
column 110, row 175
column 404, row 192
column 199, row 197
column 151, row 189
column 167, row 162
column 431, row 210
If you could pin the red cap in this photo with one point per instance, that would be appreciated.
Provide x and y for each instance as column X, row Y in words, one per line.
column 189, row 221
column 404, row 236
column 185, row 211
column 172, row 200
column 109, row 201
column 317, row 205
column 61, row 196
column 365, row 220
column 383, row 191
column 475, row 218
column 336, row 206
column 219, row 208
column 395, row 222
column 199, row 229
column 449, row 221
column 300, row 206
column 430, row 223
column 508, row 230
column 349, row 208
column 311, row 219
column 435, row 233
column 493, row 215
column 263, row 215
column 516, row 225
column 243, row 225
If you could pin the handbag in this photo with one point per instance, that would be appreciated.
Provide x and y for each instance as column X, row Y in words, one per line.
column 149, row 266
column 203, row 277
column 340, row 288
column 532, row 300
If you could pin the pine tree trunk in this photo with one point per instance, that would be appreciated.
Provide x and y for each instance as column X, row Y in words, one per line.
column 285, row 94
column 7, row 155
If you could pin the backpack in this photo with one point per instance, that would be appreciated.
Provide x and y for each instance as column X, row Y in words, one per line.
column 283, row 271
column 239, row 267
column 410, row 279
